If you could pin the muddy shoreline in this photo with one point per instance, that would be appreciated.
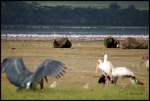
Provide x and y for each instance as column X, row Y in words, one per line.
column 80, row 59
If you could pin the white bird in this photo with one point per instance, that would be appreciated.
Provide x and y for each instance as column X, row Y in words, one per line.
column 124, row 72
column 53, row 85
column 145, row 61
column 86, row 86
column 105, row 67
column 118, row 46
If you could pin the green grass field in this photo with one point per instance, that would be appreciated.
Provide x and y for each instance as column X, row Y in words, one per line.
column 76, row 92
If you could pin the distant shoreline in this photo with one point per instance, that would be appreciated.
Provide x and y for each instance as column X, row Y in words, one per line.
column 73, row 26
column 70, row 37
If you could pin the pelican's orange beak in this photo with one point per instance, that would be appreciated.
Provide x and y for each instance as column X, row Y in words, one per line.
column 97, row 66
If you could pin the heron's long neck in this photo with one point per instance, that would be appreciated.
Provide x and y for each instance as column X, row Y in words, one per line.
column 105, row 58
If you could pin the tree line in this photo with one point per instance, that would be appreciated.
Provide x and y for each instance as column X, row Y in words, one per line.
column 24, row 13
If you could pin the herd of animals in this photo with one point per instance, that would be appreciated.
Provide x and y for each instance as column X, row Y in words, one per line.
column 109, row 42
column 21, row 77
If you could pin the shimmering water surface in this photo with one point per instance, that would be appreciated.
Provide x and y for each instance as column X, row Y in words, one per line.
column 74, row 33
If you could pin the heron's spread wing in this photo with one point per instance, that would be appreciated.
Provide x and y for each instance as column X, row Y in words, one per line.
column 49, row 68
column 15, row 70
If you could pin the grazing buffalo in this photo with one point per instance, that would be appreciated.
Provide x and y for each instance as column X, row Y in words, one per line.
column 110, row 42
column 132, row 43
column 62, row 43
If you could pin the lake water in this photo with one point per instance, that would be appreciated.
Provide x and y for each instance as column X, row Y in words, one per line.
column 74, row 33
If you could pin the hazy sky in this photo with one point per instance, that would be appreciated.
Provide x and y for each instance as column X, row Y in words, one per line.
column 142, row 5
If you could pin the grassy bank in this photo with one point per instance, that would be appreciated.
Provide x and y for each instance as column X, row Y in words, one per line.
column 76, row 92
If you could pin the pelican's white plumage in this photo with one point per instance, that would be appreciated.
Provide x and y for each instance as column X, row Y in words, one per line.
column 105, row 66
column 122, row 72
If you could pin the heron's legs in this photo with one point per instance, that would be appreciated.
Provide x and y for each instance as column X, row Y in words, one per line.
column 107, row 81
column 122, row 81
column 42, row 84
column 126, row 84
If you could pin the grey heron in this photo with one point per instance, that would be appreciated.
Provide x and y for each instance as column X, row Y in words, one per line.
column 20, row 76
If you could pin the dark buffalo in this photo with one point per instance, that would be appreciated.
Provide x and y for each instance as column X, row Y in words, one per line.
column 132, row 43
column 103, row 81
column 62, row 43
column 110, row 42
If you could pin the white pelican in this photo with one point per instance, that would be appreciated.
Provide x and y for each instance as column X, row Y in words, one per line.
column 146, row 61
column 124, row 72
column 105, row 67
